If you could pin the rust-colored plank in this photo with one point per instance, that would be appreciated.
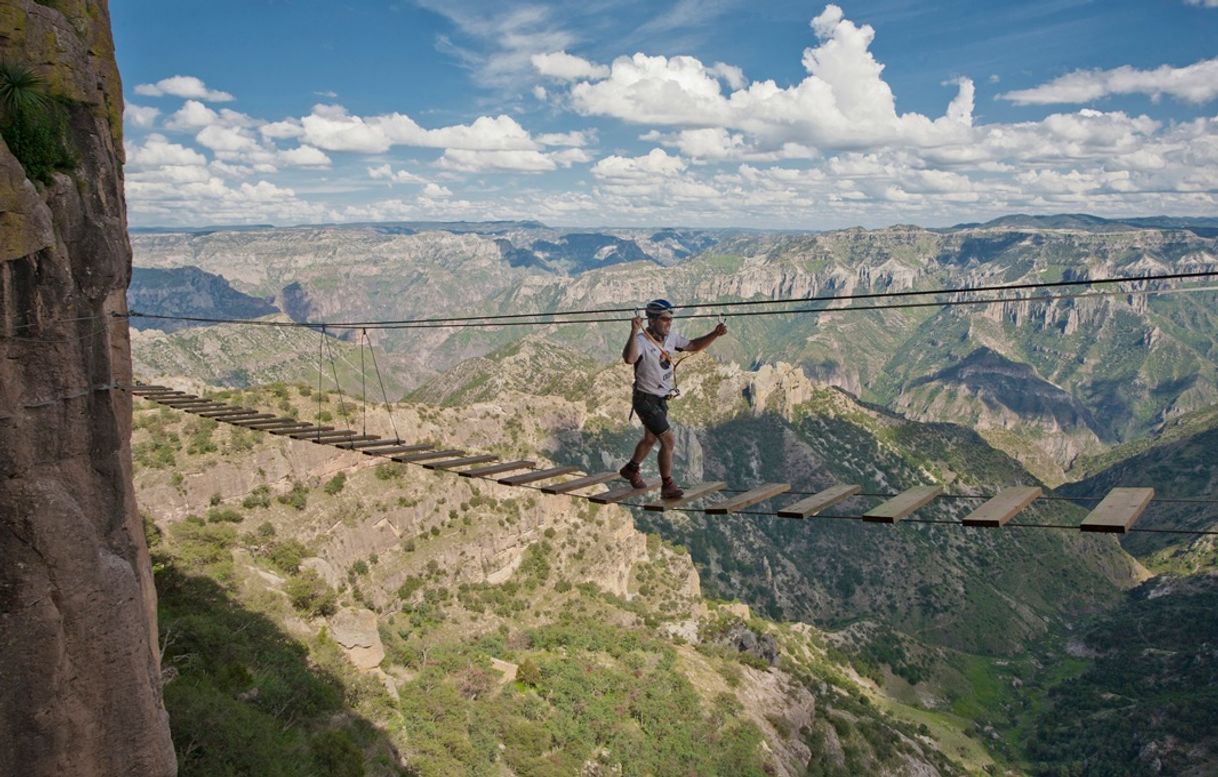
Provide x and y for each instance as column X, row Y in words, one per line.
column 619, row 494
column 819, row 501
column 692, row 493
column 1118, row 511
column 481, row 458
column 1003, row 507
column 575, row 485
column 748, row 498
column 425, row 455
column 395, row 449
column 185, row 399
column 532, row 477
column 902, row 504
column 495, row 469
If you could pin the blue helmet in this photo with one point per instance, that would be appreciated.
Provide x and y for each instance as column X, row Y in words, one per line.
column 658, row 307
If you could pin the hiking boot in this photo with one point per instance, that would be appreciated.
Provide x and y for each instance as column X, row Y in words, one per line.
column 631, row 472
column 671, row 490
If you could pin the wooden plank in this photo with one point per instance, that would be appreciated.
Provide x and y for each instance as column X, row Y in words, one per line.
column 395, row 449
column 202, row 404
column 246, row 420
column 335, row 441
column 332, row 436
column 481, row 458
column 346, row 444
column 533, row 477
column 425, row 455
column 818, row 501
column 575, row 485
column 495, row 469
column 278, row 422
column 1003, row 507
column 1118, row 511
column 619, row 494
column 223, row 414
column 902, row 504
column 309, row 429
column 317, row 432
column 376, row 442
column 694, row 492
column 185, row 399
column 748, row 498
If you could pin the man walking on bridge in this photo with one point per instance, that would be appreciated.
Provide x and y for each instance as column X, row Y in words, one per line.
column 650, row 350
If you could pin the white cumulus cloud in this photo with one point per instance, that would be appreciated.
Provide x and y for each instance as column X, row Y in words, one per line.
column 567, row 67
column 1195, row 83
column 656, row 162
column 304, row 156
column 385, row 172
column 843, row 102
column 139, row 115
column 183, row 86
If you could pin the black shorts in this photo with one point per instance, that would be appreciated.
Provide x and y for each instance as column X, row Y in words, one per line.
column 652, row 411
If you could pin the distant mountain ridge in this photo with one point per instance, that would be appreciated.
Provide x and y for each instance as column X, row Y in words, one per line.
column 1128, row 364
column 187, row 291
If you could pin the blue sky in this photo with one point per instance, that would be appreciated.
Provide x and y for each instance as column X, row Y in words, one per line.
column 708, row 113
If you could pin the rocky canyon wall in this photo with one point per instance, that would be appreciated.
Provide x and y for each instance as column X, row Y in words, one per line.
column 80, row 686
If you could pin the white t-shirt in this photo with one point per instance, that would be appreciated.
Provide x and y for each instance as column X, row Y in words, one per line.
column 650, row 375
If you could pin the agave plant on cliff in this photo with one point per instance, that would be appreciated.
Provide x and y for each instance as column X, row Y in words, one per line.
column 33, row 123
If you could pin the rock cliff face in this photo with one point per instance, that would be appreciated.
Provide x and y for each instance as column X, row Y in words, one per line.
column 78, row 662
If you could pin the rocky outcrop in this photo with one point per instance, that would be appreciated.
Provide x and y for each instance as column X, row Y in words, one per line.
column 79, row 667
column 354, row 629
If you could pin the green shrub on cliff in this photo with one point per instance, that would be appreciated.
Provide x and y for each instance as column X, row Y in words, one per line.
column 34, row 124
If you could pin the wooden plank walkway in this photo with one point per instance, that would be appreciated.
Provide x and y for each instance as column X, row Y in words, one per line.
column 1118, row 511
column 309, row 429
column 496, row 469
column 247, row 420
column 375, row 442
column 533, row 477
column 395, row 449
column 278, row 423
column 425, row 455
column 345, row 438
column 748, row 498
column 1003, row 507
column 692, row 493
column 619, row 494
column 902, row 504
column 314, row 432
column 464, row 461
column 224, row 415
column 819, row 501
column 578, row 483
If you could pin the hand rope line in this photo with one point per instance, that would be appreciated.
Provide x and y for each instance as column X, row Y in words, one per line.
column 518, row 318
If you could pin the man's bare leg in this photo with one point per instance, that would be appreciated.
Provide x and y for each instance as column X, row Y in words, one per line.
column 644, row 447
column 668, row 444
